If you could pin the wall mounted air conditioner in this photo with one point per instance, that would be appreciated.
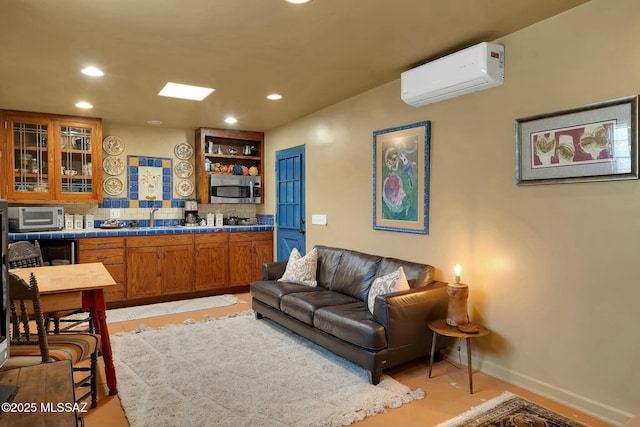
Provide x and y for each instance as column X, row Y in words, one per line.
column 475, row 68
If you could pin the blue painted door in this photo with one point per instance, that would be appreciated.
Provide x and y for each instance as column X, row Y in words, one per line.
column 290, row 206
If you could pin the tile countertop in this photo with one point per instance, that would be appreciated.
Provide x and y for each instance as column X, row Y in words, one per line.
column 142, row 231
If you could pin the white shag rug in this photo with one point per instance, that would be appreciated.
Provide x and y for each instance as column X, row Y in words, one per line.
column 171, row 307
column 239, row 371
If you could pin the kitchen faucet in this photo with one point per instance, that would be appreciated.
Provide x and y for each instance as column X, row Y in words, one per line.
column 152, row 221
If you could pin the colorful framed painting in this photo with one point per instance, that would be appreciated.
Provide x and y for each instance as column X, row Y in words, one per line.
column 597, row 142
column 401, row 178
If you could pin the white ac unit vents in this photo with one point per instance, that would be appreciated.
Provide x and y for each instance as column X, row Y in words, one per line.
column 475, row 68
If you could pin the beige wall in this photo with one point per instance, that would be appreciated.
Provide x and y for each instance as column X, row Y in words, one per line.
column 552, row 268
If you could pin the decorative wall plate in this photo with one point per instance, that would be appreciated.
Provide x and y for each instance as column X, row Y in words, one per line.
column 184, row 169
column 184, row 188
column 113, row 165
column 113, row 145
column 113, row 186
column 183, row 151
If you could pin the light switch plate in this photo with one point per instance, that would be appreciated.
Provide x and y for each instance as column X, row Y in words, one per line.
column 114, row 213
column 318, row 219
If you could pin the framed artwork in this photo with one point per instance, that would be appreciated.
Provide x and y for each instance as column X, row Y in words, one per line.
column 401, row 178
column 597, row 142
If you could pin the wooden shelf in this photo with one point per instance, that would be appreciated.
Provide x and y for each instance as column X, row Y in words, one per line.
column 226, row 139
column 232, row 156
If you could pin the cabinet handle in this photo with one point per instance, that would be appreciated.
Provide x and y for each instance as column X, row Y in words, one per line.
column 102, row 257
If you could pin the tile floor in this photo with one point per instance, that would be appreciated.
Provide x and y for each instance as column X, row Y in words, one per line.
column 446, row 394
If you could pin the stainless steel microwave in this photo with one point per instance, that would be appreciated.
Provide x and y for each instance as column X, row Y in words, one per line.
column 36, row 218
column 234, row 189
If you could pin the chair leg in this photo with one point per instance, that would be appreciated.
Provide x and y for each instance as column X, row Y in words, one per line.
column 90, row 380
column 94, row 379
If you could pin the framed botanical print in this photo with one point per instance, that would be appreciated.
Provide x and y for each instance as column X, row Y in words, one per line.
column 597, row 142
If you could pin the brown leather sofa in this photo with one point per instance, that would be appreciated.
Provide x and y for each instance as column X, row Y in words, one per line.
column 335, row 314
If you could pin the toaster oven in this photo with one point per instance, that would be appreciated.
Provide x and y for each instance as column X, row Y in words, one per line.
column 35, row 218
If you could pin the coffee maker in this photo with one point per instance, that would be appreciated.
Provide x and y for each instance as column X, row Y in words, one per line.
column 191, row 213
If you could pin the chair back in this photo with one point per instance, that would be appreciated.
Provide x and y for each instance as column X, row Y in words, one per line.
column 25, row 307
column 24, row 255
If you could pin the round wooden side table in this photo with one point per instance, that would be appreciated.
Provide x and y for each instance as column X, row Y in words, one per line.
column 440, row 327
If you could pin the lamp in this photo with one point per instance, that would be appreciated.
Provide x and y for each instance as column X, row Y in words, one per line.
column 458, row 295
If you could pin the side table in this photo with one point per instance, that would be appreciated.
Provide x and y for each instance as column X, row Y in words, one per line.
column 440, row 327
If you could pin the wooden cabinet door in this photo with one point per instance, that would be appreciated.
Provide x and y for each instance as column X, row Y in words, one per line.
column 212, row 265
column 247, row 252
column 177, row 269
column 241, row 263
column 79, row 152
column 28, row 157
column 144, row 272
column 263, row 253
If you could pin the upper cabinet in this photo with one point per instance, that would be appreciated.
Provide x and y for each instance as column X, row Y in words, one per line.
column 218, row 151
column 51, row 158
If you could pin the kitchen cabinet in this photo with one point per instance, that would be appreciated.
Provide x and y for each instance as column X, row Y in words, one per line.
column 247, row 252
column 51, row 158
column 222, row 149
column 159, row 265
column 110, row 251
column 212, row 261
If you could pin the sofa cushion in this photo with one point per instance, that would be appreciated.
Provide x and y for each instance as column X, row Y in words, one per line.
column 355, row 274
column 392, row 282
column 418, row 275
column 301, row 269
column 352, row 323
column 303, row 305
column 328, row 260
column 271, row 292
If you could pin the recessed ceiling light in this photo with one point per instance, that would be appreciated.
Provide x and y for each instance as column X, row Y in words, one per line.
column 92, row 71
column 274, row 96
column 84, row 105
column 177, row 90
column 231, row 120
column 298, row 1
column 154, row 122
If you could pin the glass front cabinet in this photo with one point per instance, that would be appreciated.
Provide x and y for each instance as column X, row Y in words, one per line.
column 50, row 158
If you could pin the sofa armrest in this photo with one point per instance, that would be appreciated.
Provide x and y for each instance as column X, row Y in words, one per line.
column 273, row 270
column 405, row 314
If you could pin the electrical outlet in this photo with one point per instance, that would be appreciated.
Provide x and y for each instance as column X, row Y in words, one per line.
column 114, row 213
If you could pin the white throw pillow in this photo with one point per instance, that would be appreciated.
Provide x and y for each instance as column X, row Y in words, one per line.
column 392, row 282
column 301, row 269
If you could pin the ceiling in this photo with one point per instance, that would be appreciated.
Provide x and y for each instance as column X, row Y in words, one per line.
column 314, row 55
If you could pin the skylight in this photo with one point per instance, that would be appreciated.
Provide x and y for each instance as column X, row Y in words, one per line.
column 177, row 90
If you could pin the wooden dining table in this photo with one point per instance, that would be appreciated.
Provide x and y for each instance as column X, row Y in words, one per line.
column 74, row 286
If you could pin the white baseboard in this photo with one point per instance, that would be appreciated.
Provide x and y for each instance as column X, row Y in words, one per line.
column 583, row 404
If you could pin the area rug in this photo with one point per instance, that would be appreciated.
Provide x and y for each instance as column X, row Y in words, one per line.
column 171, row 307
column 239, row 371
column 510, row 410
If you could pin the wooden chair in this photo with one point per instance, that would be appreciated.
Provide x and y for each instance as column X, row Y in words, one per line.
column 27, row 349
column 25, row 255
